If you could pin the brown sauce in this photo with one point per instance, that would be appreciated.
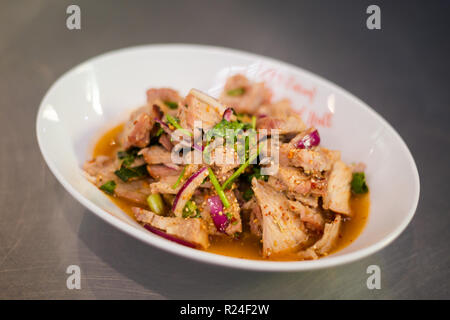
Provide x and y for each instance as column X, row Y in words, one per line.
column 248, row 246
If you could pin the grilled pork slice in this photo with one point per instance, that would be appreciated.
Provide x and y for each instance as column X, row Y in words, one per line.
column 280, row 109
column 164, row 185
column 291, row 179
column 337, row 197
column 136, row 132
column 165, row 99
column 316, row 159
column 283, row 231
column 200, row 107
column 192, row 230
column 156, row 155
column 255, row 216
column 244, row 96
column 164, row 140
column 280, row 116
column 311, row 217
column 330, row 236
column 101, row 170
column 224, row 159
column 310, row 200
column 158, row 171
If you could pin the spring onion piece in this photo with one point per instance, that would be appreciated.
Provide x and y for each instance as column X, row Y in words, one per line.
column 171, row 104
column 358, row 184
column 126, row 174
column 175, row 123
column 218, row 188
column 177, row 183
column 236, row 92
column 239, row 171
column 253, row 122
column 159, row 132
column 156, row 203
column 310, row 140
column 169, row 236
column 220, row 219
column 109, row 187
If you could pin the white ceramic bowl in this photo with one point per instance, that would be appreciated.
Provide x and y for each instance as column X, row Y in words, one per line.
column 100, row 93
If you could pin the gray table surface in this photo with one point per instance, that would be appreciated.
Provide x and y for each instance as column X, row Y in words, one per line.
column 402, row 71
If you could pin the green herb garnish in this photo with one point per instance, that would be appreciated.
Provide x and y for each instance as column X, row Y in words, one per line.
column 176, row 184
column 171, row 104
column 109, row 187
column 218, row 188
column 247, row 194
column 190, row 210
column 126, row 174
column 358, row 184
column 128, row 156
column 175, row 123
column 222, row 129
column 257, row 174
column 236, row 92
column 159, row 132
column 239, row 171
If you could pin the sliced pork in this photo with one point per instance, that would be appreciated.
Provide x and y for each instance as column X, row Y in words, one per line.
column 338, row 193
column 310, row 160
column 192, row 230
column 243, row 96
column 137, row 130
column 208, row 113
column 101, row 170
column 330, row 236
column 283, row 231
column 156, row 155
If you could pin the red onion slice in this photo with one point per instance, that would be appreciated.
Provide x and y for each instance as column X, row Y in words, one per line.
column 227, row 114
column 169, row 236
column 217, row 214
column 198, row 178
column 310, row 140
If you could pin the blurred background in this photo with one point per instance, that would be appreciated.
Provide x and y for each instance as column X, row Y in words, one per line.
column 401, row 71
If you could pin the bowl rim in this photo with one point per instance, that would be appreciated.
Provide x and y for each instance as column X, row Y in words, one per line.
column 207, row 257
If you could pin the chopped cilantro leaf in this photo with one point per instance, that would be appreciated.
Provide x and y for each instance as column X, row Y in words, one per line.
column 358, row 184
